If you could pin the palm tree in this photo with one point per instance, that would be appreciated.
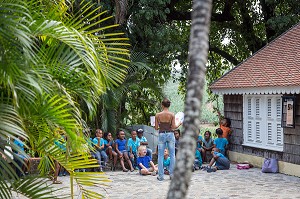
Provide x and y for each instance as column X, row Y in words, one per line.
column 198, row 49
column 53, row 61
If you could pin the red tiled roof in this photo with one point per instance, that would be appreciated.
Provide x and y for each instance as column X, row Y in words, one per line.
column 275, row 65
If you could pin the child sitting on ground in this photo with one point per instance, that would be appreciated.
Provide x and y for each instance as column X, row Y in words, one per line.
column 145, row 164
column 122, row 152
column 167, row 160
column 220, row 142
column 132, row 145
column 22, row 159
column 199, row 142
column 222, row 163
column 177, row 136
column 198, row 159
column 207, row 145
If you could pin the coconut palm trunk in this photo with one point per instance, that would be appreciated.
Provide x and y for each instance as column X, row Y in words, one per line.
column 198, row 49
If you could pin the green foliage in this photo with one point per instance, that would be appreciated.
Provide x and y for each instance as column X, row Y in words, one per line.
column 55, row 63
column 161, row 29
column 209, row 115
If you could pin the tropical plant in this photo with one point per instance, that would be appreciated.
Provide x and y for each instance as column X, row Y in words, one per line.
column 55, row 62
column 134, row 101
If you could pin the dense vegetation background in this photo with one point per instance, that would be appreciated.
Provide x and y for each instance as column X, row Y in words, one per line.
column 171, row 91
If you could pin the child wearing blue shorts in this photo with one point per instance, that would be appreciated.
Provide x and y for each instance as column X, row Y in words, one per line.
column 145, row 164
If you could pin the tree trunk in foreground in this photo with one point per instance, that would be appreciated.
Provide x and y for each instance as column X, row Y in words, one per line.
column 198, row 49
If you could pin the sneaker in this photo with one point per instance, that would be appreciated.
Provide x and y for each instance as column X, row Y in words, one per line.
column 153, row 173
column 160, row 178
column 209, row 170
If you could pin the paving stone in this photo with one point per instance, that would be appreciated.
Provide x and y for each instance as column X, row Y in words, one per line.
column 234, row 183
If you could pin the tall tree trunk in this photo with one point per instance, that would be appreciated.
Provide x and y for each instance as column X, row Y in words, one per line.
column 198, row 50
column 121, row 11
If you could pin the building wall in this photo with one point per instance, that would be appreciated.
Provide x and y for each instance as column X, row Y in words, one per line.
column 233, row 109
column 291, row 146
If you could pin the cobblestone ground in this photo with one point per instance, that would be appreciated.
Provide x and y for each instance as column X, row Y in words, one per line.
column 233, row 183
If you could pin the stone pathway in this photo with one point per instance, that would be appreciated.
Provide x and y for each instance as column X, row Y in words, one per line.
column 233, row 183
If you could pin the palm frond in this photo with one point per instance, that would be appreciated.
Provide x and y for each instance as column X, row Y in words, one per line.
column 10, row 122
column 34, row 187
column 87, row 194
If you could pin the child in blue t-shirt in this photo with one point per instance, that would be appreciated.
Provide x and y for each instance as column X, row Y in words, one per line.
column 122, row 152
column 19, row 142
column 167, row 160
column 100, row 153
column 143, row 141
column 220, row 142
column 132, row 145
column 198, row 158
column 222, row 163
column 145, row 164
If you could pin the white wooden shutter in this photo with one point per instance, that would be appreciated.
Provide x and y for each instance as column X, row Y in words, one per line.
column 269, row 133
column 257, row 132
column 249, row 107
column 249, row 131
column 279, row 135
column 262, row 122
column 257, row 107
column 269, row 107
column 278, row 108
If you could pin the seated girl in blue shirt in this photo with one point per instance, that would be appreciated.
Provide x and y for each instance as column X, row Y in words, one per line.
column 220, row 142
column 109, row 149
column 122, row 152
column 145, row 164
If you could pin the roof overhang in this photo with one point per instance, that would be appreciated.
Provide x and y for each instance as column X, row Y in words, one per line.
column 257, row 90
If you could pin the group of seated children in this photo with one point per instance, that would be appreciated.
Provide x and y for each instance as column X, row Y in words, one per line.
column 212, row 151
column 138, row 156
column 217, row 148
column 125, row 150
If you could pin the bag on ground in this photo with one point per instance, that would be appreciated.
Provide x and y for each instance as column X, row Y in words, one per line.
column 270, row 165
column 242, row 166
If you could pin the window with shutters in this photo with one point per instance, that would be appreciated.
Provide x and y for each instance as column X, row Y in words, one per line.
column 262, row 122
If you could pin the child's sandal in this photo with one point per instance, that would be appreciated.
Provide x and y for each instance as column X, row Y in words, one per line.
column 57, row 182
